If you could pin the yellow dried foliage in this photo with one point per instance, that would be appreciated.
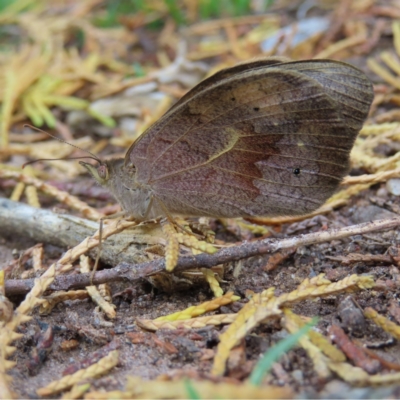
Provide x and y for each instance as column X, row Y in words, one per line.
column 369, row 143
column 292, row 325
column 164, row 105
column 37, row 102
column 378, row 129
column 94, row 293
column 30, row 191
column 347, row 372
column 58, row 297
column 374, row 164
column 18, row 74
column 37, row 257
column 318, row 359
column 105, row 291
column 101, row 367
column 372, row 179
column 243, row 323
column 254, row 229
column 175, row 238
column 194, row 323
column 60, row 195
column 389, row 60
column 138, row 388
column 345, row 194
column 76, row 392
column 203, row 227
column 383, row 73
column 210, row 277
column 109, row 309
column 6, row 307
column 32, row 196
column 113, row 395
column 387, row 379
column 265, row 305
column 5, row 392
column 50, row 149
column 7, row 331
column 317, row 338
column 17, row 192
column 194, row 243
column 357, row 376
column 172, row 247
column 388, row 326
column 43, row 74
column 341, row 45
column 363, row 155
column 32, row 299
column 203, row 308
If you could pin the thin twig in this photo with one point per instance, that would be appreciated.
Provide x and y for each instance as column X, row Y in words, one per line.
column 134, row 272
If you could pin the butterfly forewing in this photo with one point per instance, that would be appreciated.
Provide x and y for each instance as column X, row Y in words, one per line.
column 227, row 73
column 350, row 88
column 263, row 140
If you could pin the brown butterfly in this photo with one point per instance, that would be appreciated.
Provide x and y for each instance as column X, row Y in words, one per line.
column 264, row 138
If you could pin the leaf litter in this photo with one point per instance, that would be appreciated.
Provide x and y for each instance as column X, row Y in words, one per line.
column 98, row 76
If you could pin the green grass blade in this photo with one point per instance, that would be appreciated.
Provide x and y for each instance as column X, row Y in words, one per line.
column 175, row 11
column 190, row 390
column 272, row 355
column 241, row 7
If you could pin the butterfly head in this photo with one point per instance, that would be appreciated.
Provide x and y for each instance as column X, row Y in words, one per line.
column 120, row 180
column 100, row 172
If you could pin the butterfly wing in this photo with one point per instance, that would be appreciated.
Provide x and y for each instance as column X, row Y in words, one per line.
column 226, row 73
column 267, row 140
column 341, row 81
column 347, row 85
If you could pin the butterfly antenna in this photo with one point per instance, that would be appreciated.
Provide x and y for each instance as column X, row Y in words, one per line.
column 57, row 159
column 62, row 141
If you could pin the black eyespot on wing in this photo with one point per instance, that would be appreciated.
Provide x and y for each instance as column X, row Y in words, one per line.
column 296, row 171
column 233, row 99
column 256, row 108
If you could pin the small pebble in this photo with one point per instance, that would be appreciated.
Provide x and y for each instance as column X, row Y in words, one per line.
column 298, row 376
column 371, row 213
column 352, row 317
column 393, row 185
column 382, row 192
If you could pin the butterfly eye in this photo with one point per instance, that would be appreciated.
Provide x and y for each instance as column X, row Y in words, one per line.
column 102, row 170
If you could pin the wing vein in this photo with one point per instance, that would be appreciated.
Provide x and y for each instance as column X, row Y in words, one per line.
column 222, row 114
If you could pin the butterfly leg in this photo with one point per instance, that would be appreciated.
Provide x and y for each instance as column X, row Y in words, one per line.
column 170, row 226
column 173, row 220
column 112, row 216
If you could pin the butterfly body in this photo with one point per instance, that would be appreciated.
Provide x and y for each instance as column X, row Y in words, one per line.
column 264, row 138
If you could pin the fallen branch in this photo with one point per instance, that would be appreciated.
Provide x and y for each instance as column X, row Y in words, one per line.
column 133, row 272
column 67, row 231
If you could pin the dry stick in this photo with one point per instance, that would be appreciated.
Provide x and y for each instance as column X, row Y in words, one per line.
column 133, row 272
column 67, row 231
